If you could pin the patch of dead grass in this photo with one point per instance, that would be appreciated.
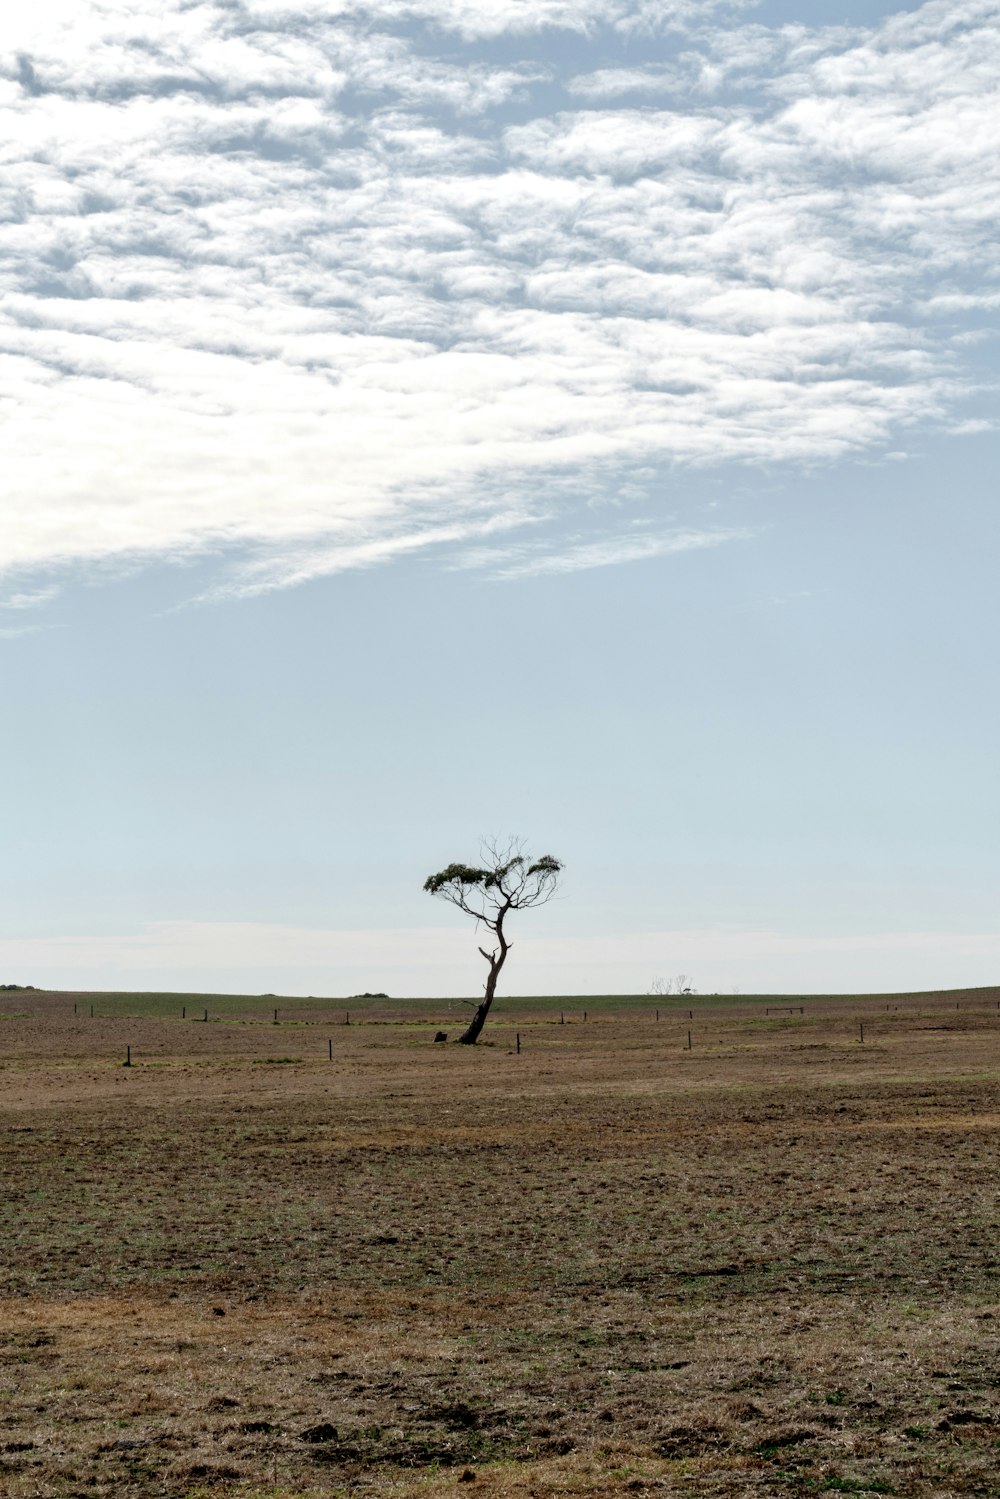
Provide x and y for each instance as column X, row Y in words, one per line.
column 609, row 1265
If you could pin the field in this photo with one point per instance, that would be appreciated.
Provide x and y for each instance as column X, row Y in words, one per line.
column 741, row 1251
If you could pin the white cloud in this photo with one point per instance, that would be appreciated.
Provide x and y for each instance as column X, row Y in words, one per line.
column 616, row 83
column 475, row 19
column 14, row 632
column 525, row 560
column 627, row 143
column 282, row 278
column 32, row 598
column 247, row 957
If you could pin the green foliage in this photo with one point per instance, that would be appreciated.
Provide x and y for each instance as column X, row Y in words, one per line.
column 513, row 878
column 457, row 874
column 467, row 875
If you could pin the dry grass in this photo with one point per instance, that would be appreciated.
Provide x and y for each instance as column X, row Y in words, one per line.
column 769, row 1264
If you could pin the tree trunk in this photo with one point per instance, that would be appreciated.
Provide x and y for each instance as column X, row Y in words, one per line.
column 496, row 961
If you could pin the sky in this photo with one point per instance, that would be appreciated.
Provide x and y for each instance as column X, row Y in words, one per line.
column 423, row 420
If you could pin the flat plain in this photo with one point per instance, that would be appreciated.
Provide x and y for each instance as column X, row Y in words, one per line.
column 699, row 1247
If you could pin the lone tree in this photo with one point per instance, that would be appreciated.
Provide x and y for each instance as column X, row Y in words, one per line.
column 509, row 881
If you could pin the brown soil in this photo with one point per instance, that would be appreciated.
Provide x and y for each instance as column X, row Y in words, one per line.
column 767, row 1264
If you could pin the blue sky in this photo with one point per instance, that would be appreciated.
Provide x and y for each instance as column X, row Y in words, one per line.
column 423, row 419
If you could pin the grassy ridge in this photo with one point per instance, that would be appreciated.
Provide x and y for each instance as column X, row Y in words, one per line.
column 573, row 1006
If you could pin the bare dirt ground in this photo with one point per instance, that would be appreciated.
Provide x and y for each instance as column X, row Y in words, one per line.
column 610, row 1264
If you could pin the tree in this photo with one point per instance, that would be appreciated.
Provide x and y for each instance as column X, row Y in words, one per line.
column 680, row 985
column 509, row 880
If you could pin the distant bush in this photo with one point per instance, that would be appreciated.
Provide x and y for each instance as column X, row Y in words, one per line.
column 21, row 988
column 366, row 995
